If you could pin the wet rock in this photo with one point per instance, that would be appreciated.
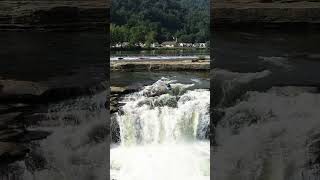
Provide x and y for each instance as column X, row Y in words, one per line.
column 10, row 152
column 33, row 119
column 12, row 91
column 216, row 116
column 56, row 15
column 113, row 109
column 12, row 87
column 258, row 14
column 117, row 93
column 158, row 88
column 7, row 135
column 98, row 133
column 35, row 161
column 115, row 130
column 117, row 90
column 53, row 15
column 59, row 94
column 313, row 145
column 6, row 119
column 177, row 65
column 33, row 135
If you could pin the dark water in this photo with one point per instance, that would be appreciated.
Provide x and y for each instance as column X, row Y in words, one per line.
column 199, row 79
column 57, row 58
column 292, row 57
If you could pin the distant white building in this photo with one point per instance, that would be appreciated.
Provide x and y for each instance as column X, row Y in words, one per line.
column 169, row 44
column 185, row 45
column 142, row 45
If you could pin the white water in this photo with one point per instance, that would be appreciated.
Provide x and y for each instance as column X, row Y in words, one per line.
column 77, row 147
column 162, row 134
column 268, row 135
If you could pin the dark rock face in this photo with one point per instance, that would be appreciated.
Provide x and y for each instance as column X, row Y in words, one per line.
column 115, row 107
column 24, row 104
column 115, row 130
column 313, row 145
column 54, row 15
column 265, row 14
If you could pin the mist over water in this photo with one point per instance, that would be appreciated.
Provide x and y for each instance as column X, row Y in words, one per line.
column 163, row 130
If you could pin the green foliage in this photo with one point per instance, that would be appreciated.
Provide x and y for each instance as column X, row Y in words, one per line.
column 150, row 21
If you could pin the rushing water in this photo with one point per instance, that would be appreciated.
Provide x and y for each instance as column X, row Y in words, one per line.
column 163, row 129
column 266, row 104
column 77, row 147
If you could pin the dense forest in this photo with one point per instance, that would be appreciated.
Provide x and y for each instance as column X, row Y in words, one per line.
column 151, row 21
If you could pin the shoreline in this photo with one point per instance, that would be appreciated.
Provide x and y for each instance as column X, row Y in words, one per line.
column 160, row 65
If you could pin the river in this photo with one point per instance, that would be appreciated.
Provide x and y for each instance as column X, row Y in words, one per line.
column 164, row 126
column 74, row 65
column 266, row 105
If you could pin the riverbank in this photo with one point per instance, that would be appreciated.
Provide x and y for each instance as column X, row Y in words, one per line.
column 151, row 48
column 160, row 65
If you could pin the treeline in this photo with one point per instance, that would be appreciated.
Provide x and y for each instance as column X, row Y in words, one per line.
column 150, row 21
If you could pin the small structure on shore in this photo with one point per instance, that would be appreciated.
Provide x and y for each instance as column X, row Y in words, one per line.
column 169, row 44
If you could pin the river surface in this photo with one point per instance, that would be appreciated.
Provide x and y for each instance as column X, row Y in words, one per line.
column 55, row 58
column 160, row 54
column 266, row 102
column 265, row 84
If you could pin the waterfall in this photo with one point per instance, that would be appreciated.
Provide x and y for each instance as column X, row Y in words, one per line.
column 77, row 148
column 267, row 135
column 163, row 131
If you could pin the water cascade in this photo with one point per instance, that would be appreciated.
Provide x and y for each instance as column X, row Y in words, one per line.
column 164, row 134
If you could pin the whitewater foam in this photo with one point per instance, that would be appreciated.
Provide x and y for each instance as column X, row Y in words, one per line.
column 163, row 132
column 269, row 131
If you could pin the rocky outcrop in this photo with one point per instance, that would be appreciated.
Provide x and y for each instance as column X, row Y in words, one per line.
column 53, row 15
column 24, row 104
column 116, row 94
column 10, row 152
column 26, row 92
column 176, row 65
column 293, row 15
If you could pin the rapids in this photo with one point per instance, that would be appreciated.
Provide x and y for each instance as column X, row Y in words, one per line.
column 164, row 134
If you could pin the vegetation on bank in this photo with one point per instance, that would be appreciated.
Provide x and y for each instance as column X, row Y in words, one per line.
column 149, row 21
